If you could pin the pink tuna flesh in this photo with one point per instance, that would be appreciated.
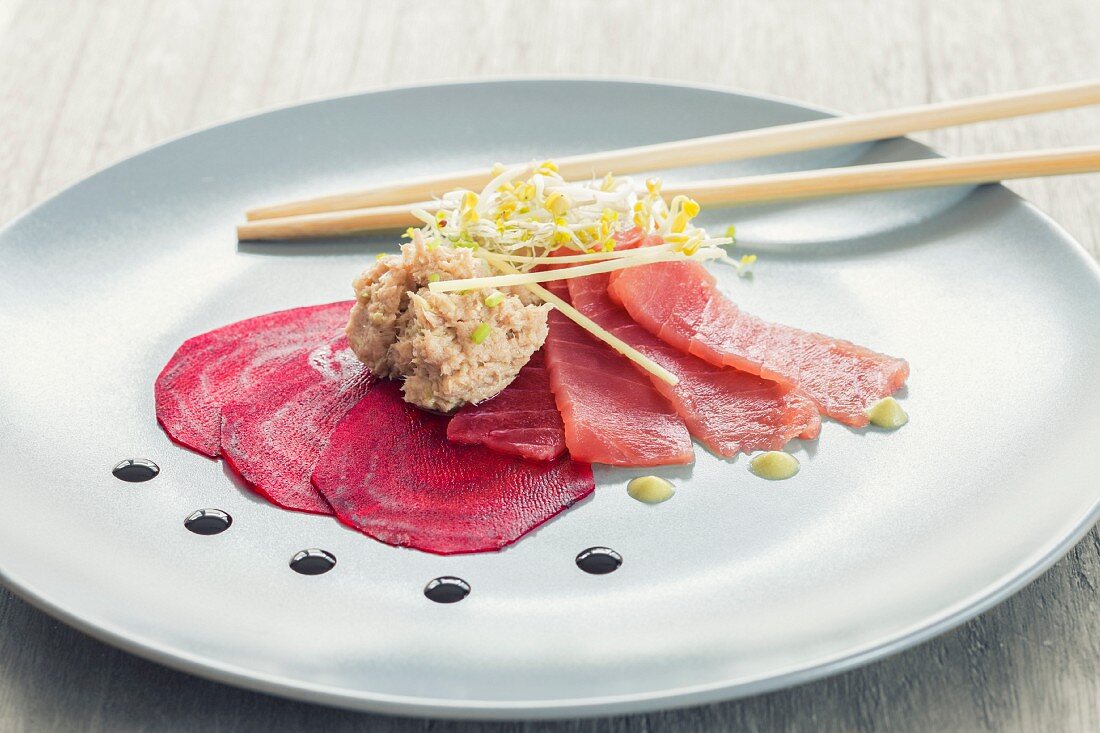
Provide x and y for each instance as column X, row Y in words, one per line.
column 522, row 420
column 728, row 410
column 680, row 303
column 612, row 413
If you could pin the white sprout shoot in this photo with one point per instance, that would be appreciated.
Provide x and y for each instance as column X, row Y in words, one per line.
column 529, row 219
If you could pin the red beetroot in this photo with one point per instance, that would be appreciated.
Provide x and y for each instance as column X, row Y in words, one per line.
column 274, row 439
column 522, row 420
column 390, row 472
column 226, row 364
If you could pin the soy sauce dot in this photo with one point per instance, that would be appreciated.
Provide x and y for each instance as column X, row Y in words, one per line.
column 447, row 590
column 135, row 470
column 312, row 562
column 599, row 560
column 208, row 521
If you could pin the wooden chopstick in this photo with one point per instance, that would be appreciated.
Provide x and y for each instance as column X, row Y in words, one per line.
column 737, row 191
column 891, row 176
column 730, row 146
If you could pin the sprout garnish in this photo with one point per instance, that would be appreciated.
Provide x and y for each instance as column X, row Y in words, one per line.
column 526, row 215
column 529, row 216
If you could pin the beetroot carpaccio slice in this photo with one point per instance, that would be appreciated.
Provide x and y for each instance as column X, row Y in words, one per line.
column 273, row 440
column 226, row 364
column 390, row 472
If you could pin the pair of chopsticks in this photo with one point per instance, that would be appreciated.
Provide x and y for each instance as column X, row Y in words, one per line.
column 390, row 206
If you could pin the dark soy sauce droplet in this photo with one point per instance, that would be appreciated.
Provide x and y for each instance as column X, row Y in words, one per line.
column 135, row 470
column 599, row 560
column 312, row 562
column 447, row 590
column 208, row 521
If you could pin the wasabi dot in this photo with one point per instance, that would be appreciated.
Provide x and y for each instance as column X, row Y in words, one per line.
column 480, row 333
column 650, row 489
column 887, row 413
column 774, row 465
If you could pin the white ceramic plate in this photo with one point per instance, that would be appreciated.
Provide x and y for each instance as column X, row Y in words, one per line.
column 735, row 586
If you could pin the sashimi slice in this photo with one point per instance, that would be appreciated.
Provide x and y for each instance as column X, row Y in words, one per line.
column 390, row 472
column 222, row 365
column 612, row 413
column 728, row 410
column 274, row 439
column 680, row 303
column 522, row 420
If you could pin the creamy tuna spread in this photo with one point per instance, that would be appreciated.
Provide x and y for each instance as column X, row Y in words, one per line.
column 448, row 348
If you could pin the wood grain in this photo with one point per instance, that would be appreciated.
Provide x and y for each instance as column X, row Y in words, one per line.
column 85, row 83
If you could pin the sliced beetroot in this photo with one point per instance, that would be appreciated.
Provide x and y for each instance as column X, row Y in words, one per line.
column 226, row 364
column 390, row 472
column 274, row 439
column 522, row 420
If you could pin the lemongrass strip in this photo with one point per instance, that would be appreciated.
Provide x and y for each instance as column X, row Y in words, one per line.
column 598, row 332
column 565, row 273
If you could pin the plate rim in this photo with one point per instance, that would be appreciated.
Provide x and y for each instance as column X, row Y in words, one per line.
column 976, row 603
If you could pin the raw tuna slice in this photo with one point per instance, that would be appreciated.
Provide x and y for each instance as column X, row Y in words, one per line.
column 612, row 413
column 680, row 303
column 728, row 410
column 223, row 365
column 274, row 439
column 390, row 472
column 522, row 420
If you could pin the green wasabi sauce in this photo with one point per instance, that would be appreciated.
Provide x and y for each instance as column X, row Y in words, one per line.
column 650, row 489
column 887, row 413
column 774, row 465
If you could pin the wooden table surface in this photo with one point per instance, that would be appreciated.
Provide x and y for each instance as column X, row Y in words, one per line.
column 84, row 83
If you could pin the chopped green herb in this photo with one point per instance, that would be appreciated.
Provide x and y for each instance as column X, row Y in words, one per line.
column 434, row 277
column 480, row 333
column 494, row 299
